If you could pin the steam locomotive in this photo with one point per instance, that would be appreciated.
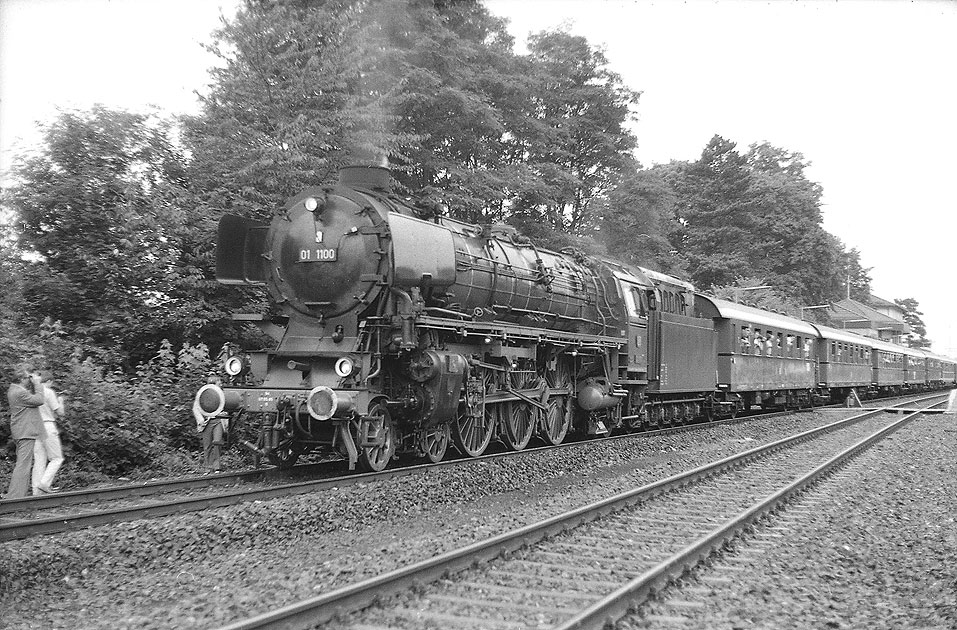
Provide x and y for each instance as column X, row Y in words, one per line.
column 404, row 331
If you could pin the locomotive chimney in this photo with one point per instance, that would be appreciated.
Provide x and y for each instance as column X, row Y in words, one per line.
column 375, row 177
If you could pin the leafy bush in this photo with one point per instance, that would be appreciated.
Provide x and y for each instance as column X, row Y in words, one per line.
column 115, row 424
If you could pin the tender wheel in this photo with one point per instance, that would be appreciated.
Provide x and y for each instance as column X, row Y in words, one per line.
column 285, row 455
column 519, row 419
column 376, row 439
column 435, row 442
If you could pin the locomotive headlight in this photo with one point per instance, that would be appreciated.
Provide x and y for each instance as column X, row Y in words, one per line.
column 345, row 366
column 234, row 365
column 311, row 204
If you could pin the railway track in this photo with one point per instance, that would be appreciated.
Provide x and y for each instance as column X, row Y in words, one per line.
column 593, row 564
column 67, row 511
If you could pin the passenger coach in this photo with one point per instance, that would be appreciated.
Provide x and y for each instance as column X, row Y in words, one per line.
column 763, row 358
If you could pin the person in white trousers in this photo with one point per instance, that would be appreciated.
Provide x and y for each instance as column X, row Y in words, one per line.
column 47, row 451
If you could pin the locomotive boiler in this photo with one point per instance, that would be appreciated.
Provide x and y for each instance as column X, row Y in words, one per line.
column 404, row 331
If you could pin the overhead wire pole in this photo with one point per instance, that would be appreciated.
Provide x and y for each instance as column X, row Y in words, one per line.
column 808, row 308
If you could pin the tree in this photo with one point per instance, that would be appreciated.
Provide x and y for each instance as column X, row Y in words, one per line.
column 714, row 214
column 853, row 278
column 771, row 298
column 309, row 87
column 100, row 219
column 917, row 338
column 757, row 215
column 635, row 221
column 577, row 141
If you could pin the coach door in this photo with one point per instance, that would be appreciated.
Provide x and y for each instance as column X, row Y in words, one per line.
column 636, row 299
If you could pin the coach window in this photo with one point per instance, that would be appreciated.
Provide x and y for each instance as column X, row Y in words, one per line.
column 779, row 345
column 758, row 341
column 790, row 346
column 744, row 343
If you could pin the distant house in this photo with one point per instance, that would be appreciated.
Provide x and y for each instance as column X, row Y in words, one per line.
column 890, row 309
column 878, row 318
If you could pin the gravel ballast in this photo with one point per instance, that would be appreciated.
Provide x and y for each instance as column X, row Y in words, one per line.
column 874, row 546
column 206, row 569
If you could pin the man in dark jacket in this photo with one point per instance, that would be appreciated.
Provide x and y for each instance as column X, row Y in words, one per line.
column 26, row 425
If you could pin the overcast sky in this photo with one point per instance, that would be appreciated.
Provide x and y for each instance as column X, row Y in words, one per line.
column 865, row 90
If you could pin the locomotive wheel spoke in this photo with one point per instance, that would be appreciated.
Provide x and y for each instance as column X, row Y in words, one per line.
column 473, row 435
column 556, row 420
column 376, row 440
column 519, row 420
column 436, row 442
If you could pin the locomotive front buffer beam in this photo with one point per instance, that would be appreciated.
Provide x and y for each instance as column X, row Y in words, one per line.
column 322, row 404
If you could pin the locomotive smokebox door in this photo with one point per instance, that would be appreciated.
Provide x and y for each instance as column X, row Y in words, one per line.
column 325, row 263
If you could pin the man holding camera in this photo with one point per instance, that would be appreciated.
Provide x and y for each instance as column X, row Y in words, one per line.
column 26, row 425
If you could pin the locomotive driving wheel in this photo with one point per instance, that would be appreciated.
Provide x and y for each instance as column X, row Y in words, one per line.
column 475, row 425
column 519, row 418
column 435, row 442
column 376, row 439
column 557, row 420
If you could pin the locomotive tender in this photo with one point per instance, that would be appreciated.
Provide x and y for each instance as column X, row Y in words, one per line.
column 404, row 331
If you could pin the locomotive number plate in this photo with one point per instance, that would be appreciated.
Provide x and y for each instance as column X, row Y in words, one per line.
column 319, row 254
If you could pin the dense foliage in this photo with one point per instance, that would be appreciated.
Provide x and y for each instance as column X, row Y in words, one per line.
column 917, row 338
column 107, row 257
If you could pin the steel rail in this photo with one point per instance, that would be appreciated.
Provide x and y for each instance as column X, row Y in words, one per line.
column 324, row 608
column 25, row 528
column 618, row 604
column 28, row 527
column 147, row 488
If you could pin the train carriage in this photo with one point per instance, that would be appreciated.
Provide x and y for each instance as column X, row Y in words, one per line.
column 948, row 371
column 915, row 369
column 763, row 357
column 887, row 361
column 935, row 377
column 844, row 362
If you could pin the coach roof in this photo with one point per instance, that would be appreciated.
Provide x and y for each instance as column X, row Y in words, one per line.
column 731, row 310
column 835, row 334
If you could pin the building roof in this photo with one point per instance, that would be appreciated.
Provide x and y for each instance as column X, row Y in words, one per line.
column 880, row 302
column 848, row 310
